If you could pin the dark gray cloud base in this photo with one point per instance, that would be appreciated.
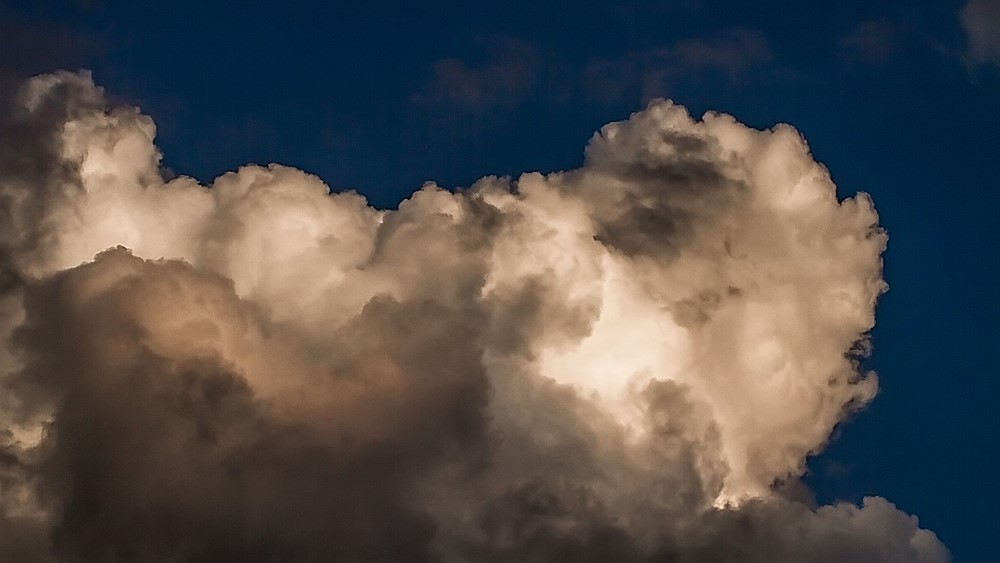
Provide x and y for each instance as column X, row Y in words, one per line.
column 615, row 363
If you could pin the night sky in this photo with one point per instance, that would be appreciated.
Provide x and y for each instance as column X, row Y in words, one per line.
column 899, row 99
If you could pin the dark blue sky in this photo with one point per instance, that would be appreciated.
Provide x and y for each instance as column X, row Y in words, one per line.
column 894, row 97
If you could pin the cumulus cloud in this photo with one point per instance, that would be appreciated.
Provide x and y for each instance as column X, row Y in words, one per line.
column 981, row 20
column 629, row 361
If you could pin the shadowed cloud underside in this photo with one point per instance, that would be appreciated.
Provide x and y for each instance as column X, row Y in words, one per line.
column 629, row 361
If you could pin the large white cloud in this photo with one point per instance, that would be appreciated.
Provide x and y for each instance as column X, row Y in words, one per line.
column 617, row 362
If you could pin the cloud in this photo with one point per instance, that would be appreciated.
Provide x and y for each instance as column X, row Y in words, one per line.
column 649, row 73
column 629, row 361
column 871, row 42
column 981, row 20
column 33, row 45
column 514, row 72
column 509, row 73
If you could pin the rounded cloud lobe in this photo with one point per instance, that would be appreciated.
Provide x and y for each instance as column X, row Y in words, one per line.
column 629, row 361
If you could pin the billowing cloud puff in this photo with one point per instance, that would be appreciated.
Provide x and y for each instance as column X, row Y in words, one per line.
column 629, row 361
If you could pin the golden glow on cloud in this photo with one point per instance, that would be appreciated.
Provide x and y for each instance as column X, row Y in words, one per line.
column 645, row 345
